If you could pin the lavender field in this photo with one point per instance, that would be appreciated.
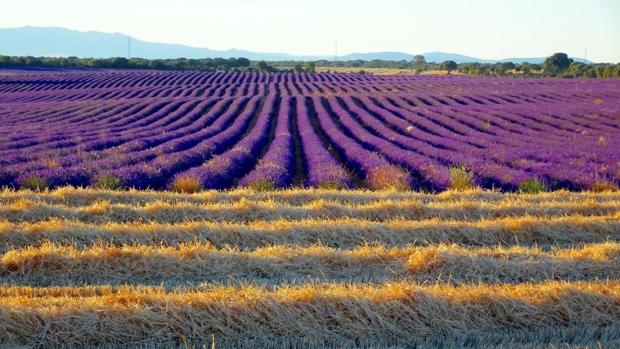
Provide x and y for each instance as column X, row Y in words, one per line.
column 152, row 129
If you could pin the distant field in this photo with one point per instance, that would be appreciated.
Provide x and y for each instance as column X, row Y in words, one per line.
column 381, row 71
column 395, row 71
column 309, row 268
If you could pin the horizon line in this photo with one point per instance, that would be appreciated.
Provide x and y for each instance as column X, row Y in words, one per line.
column 315, row 56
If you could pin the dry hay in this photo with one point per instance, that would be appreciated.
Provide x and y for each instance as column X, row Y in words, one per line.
column 309, row 268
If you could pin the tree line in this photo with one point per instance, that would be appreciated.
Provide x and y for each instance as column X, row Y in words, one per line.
column 203, row 64
column 557, row 65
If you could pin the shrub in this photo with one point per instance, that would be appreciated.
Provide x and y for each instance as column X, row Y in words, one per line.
column 532, row 186
column 603, row 186
column 262, row 185
column 52, row 163
column 187, row 185
column 108, row 182
column 388, row 177
column 461, row 178
column 34, row 183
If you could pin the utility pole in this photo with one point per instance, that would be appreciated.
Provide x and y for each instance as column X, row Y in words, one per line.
column 129, row 46
column 585, row 56
column 335, row 55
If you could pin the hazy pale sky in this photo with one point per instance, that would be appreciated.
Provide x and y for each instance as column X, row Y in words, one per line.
column 491, row 29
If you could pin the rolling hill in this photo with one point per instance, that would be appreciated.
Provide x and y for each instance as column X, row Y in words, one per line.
column 55, row 41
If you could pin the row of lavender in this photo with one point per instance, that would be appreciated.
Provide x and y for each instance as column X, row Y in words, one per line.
column 83, row 86
column 278, row 130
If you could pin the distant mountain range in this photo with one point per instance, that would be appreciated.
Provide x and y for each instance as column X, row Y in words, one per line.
column 59, row 42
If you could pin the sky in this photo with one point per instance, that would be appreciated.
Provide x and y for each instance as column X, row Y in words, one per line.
column 490, row 29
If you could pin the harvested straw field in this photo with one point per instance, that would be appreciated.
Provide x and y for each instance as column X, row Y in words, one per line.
column 309, row 269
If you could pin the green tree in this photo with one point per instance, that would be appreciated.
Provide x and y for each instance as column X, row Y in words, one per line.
column 32, row 61
column 118, row 62
column 157, row 64
column 502, row 68
column 419, row 61
column 448, row 65
column 309, row 67
column 576, row 69
column 243, row 62
column 508, row 66
column 298, row 68
column 525, row 68
column 262, row 66
column 557, row 63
